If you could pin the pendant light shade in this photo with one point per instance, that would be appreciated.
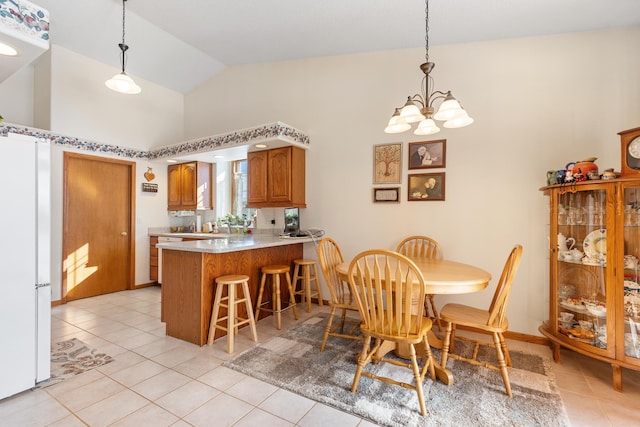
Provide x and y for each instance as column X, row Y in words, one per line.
column 121, row 82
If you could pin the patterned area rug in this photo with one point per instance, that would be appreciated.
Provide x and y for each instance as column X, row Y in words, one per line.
column 293, row 361
column 73, row 357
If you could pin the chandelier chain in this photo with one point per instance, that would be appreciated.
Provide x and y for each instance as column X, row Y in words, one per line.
column 426, row 33
column 123, row 20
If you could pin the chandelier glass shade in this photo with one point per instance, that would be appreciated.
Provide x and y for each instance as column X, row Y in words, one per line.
column 420, row 107
column 121, row 82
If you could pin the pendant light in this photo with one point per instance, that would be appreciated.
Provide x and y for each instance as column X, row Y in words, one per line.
column 420, row 107
column 121, row 82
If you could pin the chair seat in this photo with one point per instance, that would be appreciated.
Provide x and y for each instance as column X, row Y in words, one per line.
column 413, row 338
column 461, row 314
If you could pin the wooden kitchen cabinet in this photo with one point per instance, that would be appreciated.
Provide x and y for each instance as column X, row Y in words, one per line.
column 276, row 178
column 594, row 281
column 153, row 258
column 190, row 186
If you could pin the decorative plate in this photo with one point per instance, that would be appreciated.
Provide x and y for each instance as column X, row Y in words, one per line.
column 595, row 245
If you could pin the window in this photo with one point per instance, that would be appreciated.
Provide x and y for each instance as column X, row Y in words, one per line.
column 239, row 190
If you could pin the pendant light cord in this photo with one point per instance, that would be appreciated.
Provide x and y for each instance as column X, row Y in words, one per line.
column 426, row 33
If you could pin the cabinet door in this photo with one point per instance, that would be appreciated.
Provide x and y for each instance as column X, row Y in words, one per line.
column 585, row 268
column 631, row 283
column 174, row 200
column 279, row 179
column 257, row 177
column 188, row 185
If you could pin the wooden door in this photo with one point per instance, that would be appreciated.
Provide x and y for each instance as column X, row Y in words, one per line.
column 174, row 191
column 189, row 185
column 279, row 188
column 256, row 177
column 98, row 226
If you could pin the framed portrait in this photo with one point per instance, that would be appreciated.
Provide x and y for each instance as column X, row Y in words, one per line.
column 386, row 195
column 387, row 163
column 426, row 187
column 428, row 154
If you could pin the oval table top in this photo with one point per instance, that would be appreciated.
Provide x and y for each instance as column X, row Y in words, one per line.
column 445, row 277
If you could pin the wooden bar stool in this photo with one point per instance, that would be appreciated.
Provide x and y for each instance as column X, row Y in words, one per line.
column 276, row 305
column 306, row 269
column 229, row 302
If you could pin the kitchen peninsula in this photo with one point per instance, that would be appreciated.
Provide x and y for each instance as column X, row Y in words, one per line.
column 190, row 269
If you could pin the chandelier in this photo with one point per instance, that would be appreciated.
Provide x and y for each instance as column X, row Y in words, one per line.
column 420, row 107
column 121, row 82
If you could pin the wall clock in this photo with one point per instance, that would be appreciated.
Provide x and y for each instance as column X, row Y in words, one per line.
column 630, row 150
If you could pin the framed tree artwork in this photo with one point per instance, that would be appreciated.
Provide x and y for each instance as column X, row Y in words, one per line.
column 428, row 154
column 426, row 187
column 387, row 163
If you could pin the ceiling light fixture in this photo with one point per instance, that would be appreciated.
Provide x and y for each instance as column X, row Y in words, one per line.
column 7, row 50
column 420, row 107
column 122, row 82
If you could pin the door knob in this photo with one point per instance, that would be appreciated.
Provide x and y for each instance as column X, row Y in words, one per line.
column 124, row 233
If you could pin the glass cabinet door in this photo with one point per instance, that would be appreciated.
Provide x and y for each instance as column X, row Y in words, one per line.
column 632, row 272
column 582, row 267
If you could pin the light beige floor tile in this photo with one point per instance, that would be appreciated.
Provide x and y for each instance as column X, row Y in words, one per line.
column 251, row 390
column 583, row 411
column 89, row 394
column 74, row 382
column 290, row 406
column 137, row 373
column 156, row 347
column 365, row 423
column 21, row 401
column 178, row 355
column 138, row 340
column 147, row 416
column 222, row 410
column 198, row 365
column 161, row 384
column 222, row 378
column 322, row 415
column 68, row 421
column 112, row 408
column 187, row 398
column 258, row 417
column 45, row 411
column 123, row 361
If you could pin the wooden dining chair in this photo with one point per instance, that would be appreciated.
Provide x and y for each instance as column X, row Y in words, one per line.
column 422, row 247
column 493, row 321
column 329, row 257
column 386, row 286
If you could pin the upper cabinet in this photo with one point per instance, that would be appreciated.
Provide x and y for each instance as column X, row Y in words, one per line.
column 190, row 186
column 276, row 178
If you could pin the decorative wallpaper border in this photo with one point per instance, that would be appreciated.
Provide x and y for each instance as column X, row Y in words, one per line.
column 25, row 18
column 276, row 130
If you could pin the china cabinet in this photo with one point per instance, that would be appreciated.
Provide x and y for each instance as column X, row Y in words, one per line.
column 594, row 271
column 189, row 186
column 276, row 178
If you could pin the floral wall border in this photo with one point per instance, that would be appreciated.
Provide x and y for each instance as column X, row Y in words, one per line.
column 26, row 18
column 276, row 130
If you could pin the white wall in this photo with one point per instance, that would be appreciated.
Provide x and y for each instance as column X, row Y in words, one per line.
column 16, row 97
column 538, row 104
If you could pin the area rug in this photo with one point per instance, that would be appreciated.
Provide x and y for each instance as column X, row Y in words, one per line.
column 73, row 357
column 293, row 362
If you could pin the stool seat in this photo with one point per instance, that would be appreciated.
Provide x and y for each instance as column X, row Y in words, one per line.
column 274, row 271
column 306, row 270
column 229, row 302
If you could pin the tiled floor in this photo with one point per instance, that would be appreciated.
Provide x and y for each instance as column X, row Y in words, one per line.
column 159, row 381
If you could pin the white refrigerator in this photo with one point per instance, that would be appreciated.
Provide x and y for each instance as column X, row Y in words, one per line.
column 25, row 290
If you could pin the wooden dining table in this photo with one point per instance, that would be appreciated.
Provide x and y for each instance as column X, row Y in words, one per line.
column 441, row 277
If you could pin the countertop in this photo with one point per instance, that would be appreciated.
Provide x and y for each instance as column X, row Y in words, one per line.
column 194, row 235
column 229, row 243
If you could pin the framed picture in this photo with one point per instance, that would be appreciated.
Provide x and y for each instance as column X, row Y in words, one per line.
column 386, row 195
column 425, row 187
column 428, row 154
column 387, row 163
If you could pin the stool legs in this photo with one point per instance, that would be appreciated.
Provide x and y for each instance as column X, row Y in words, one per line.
column 233, row 321
column 276, row 302
column 307, row 277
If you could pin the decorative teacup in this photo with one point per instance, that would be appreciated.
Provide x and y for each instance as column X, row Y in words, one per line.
column 630, row 262
column 566, row 317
